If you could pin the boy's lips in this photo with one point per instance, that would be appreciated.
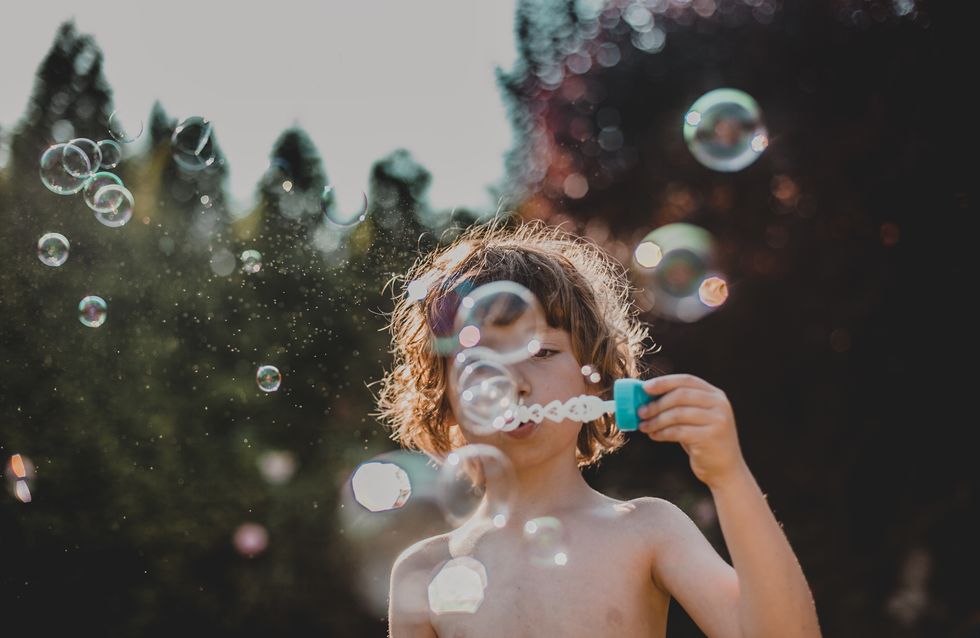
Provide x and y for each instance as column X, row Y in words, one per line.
column 522, row 431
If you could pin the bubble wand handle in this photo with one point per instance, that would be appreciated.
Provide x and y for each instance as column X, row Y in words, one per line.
column 628, row 397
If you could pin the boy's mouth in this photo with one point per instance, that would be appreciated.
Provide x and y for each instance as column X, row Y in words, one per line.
column 522, row 431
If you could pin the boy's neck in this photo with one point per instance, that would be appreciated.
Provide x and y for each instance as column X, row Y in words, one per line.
column 549, row 488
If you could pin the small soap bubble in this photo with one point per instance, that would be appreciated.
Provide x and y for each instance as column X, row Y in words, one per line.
column 251, row 261
column 92, row 311
column 250, row 539
column 53, row 174
column 380, row 486
column 111, row 153
column 724, row 131
column 337, row 217
column 222, row 262
column 119, row 130
column 502, row 317
column 277, row 467
column 99, row 199
column 675, row 268
column 93, row 156
column 487, row 393
column 268, row 378
column 474, row 475
column 122, row 212
column 458, row 587
column 192, row 144
column 52, row 249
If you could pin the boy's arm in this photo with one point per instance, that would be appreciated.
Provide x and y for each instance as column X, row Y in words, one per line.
column 408, row 602
column 771, row 595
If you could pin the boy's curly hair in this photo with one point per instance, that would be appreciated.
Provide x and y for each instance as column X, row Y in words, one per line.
column 581, row 289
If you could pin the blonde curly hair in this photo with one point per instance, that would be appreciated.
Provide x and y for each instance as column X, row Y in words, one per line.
column 581, row 290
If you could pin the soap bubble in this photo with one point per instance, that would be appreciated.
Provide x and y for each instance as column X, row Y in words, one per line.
column 476, row 477
column 486, row 391
column 502, row 317
column 724, row 130
column 335, row 216
column 277, row 467
column 674, row 266
column 458, row 587
column 52, row 249
column 544, row 539
column 251, row 261
column 98, row 198
column 81, row 158
column 111, row 153
column 123, row 133
column 92, row 311
column 53, row 174
column 192, row 144
column 123, row 210
column 250, row 539
column 268, row 378
column 380, row 486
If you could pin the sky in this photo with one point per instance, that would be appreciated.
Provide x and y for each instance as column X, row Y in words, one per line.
column 362, row 78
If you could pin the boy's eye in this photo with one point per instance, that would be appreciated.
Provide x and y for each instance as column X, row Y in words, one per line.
column 544, row 353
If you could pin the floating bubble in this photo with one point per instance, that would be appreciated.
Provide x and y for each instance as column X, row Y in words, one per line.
column 92, row 311
column 92, row 157
column 192, row 144
column 109, row 200
column 250, row 539
column 111, row 153
column 674, row 265
column 222, row 262
column 476, row 478
column 268, row 378
column 123, row 211
column 277, row 467
column 52, row 249
column 119, row 130
column 487, row 393
column 502, row 317
column 337, row 217
column 724, row 130
column 251, row 261
column 76, row 161
column 544, row 538
column 380, row 486
column 458, row 587
column 53, row 174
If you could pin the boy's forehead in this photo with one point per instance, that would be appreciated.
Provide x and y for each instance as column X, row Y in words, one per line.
column 556, row 334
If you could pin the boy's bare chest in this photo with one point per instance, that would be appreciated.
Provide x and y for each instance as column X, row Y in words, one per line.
column 590, row 589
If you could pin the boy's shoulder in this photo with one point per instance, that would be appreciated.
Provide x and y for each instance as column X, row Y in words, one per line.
column 659, row 519
column 424, row 554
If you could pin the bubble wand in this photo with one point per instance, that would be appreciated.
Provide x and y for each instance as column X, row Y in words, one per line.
column 628, row 397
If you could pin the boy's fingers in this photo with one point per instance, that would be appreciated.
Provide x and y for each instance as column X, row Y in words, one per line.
column 668, row 382
column 676, row 433
column 680, row 415
column 693, row 397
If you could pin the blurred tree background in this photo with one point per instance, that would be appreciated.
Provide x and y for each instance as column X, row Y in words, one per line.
column 151, row 443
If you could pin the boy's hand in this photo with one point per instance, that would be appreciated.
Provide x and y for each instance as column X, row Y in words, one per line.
column 697, row 415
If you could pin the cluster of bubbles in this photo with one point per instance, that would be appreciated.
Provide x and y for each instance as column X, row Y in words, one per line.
column 19, row 474
column 83, row 165
column 474, row 486
column 675, row 267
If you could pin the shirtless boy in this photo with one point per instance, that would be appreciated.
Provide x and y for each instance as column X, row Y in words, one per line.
column 625, row 559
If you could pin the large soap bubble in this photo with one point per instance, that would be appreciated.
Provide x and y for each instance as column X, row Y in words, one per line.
column 724, row 130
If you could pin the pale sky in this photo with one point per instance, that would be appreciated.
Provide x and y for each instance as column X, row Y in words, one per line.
column 362, row 78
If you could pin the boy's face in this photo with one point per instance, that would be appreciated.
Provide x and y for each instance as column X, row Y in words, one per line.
column 552, row 373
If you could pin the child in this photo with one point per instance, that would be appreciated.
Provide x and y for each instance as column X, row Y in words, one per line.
column 625, row 560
